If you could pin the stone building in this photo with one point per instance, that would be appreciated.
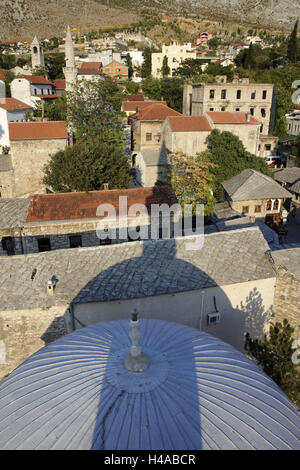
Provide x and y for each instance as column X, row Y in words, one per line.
column 289, row 178
column 225, row 288
column 89, row 70
column 188, row 134
column 31, row 144
column 258, row 99
column 255, row 194
column 130, row 107
column 147, row 123
column 47, row 222
column 37, row 53
column 287, row 287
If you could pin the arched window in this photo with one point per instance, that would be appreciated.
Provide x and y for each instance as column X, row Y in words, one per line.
column 269, row 205
column 276, row 205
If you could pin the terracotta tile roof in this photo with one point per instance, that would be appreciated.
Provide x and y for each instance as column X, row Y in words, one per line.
column 137, row 97
column 59, row 83
column 132, row 105
column 234, row 117
column 70, row 206
column 12, row 104
column 155, row 112
column 89, row 68
column 35, row 79
column 46, row 96
column 37, row 130
column 189, row 123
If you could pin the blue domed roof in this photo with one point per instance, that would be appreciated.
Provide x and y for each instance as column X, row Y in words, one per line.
column 197, row 393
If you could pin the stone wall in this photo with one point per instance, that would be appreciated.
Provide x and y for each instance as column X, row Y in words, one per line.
column 23, row 332
column 287, row 299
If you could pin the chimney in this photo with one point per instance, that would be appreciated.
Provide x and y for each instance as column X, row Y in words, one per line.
column 248, row 117
column 105, row 186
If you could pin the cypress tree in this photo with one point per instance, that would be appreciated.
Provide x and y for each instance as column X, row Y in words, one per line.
column 292, row 51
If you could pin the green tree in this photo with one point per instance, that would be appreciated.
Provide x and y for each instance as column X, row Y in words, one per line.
column 192, row 180
column 56, row 110
column 230, row 158
column 146, row 68
column 54, row 64
column 165, row 70
column 87, row 166
column 172, row 92
column 93, row 109
column 132, row 87
column 128, row 62
column 274, row 355
column 293, row 45
column 152, row 88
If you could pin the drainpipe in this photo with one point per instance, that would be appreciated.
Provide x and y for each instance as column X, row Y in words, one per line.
column 202, row 308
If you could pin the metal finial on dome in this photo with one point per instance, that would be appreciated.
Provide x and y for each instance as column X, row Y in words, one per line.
column 136, row 361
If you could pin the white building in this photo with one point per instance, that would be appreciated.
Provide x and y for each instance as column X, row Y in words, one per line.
column 2, row 89
column 31, row 89
column 11, row 110
column 176, row 54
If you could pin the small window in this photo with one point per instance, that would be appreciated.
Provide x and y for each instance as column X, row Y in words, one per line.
column 75, row 241
column 276, row 205
column 252, row 111
column 245, row 209
column 223, row 94
column 253, row 95
column 8, row 245
column 263, row 112
column 44, row 244
column 267, row 146
column 261, row 128
column 237, row 109
column 223, row 108
column 211, row 109
column 238, row 94
column 269, row 205
column 257, row 209
column 264, row 94
column 211, row 94
column 148, row 136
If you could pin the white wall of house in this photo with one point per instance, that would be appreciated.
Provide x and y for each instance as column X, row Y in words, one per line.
column 4, row 133
column 2, row 89
column 20, row 89
column 244, row 307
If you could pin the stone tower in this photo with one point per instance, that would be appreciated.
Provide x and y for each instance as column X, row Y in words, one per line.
column 37, row 53
column 70, row 70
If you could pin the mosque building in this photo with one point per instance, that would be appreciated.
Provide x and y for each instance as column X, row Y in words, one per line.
column 142, row 385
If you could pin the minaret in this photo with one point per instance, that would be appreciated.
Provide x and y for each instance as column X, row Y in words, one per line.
column 70, row 70
column 37, row 53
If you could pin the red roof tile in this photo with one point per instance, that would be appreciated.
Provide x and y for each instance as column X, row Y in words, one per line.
column 70, row 206
column 37, row 130
column 36, row 79
column 189, row 123
column 90, row 65
column 155, row 112
column 234, row 117
column 137, row 97
column 3, row 73
column 59, row 83
column 12, row 104
column 132, row 105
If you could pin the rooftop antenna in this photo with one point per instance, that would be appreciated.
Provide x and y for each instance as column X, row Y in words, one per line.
column 136, row 361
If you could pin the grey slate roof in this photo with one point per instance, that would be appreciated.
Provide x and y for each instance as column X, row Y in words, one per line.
column 13, row 212
column 287, row 175
column 133, row 270
column 270, row 236
column 222, row 210
column 251, row 184
column 295, row 188
column 289, row 260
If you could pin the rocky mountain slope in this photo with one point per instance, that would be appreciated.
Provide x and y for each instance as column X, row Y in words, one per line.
column 22, row 19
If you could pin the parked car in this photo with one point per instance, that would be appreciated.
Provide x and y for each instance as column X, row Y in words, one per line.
column 273, row 161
